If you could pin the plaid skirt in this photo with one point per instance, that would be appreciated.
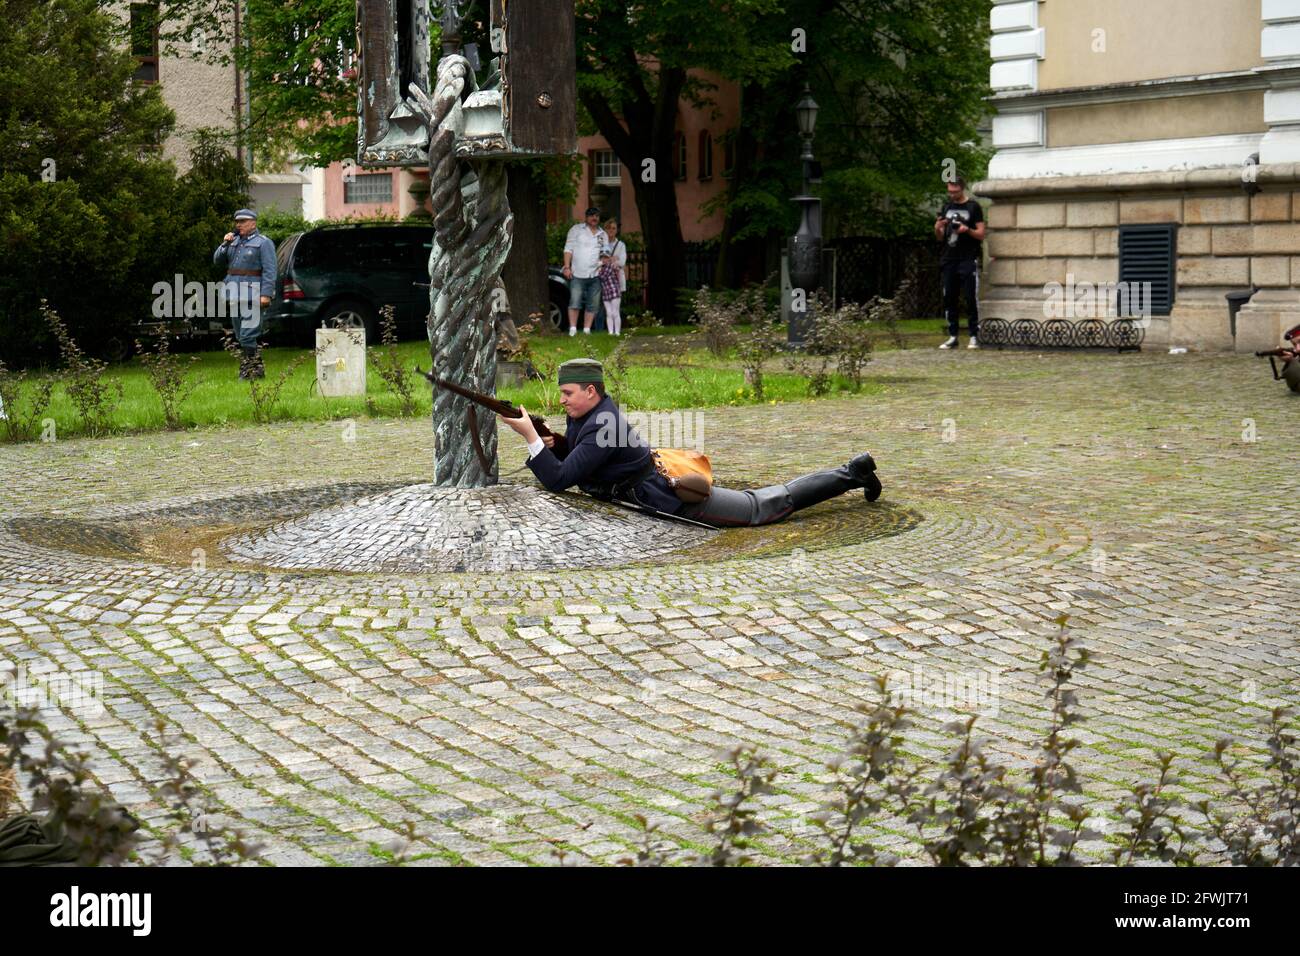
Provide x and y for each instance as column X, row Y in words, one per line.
column 609, row 282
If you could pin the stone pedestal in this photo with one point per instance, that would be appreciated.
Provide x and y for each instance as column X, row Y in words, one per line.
column 510, row 374
column 341, row 362
column 1263, row 319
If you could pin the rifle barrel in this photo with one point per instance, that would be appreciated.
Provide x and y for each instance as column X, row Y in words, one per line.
column 487, row 401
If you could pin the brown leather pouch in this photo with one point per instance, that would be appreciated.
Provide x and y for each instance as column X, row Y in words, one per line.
column 688, row 473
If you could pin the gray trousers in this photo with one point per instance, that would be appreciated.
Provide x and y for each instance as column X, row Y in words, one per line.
column 244, row 307
column 727, row 507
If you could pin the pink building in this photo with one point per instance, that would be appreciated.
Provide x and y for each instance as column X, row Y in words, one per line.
column 341, row 190
column 702, row 161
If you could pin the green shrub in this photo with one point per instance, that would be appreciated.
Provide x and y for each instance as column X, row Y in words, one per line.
column 166, row 373
column 278, row 225
column 94, row 395
column 21, row 405
column 87, row 209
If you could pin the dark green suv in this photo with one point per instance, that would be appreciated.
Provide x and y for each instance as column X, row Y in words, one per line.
column 345, row 274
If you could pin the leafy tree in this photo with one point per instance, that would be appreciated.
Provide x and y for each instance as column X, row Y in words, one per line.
column 636, row 63
column 206, row 197
column 296, row 56
column 899, row 84
column 84, row 191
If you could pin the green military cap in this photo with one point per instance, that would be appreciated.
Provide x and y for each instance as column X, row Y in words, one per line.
column 582, row 371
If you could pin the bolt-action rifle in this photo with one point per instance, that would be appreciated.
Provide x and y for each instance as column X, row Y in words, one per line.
column 500, row 407
column 1287, row 355
column 1290, row 356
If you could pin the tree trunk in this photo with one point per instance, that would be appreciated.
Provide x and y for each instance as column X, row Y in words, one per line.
column 651, row 123
column 731, row 267
column 525, row 269
column 665, row 251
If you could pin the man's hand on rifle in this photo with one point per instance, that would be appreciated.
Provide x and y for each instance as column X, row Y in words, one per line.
column 523, row 425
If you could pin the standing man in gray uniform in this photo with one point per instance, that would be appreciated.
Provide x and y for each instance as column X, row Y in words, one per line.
column 249, row 258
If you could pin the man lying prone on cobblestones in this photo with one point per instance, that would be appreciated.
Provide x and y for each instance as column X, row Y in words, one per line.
column 606, row 458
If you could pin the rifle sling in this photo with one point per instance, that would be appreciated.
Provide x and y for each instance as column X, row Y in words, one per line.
column 472, row 419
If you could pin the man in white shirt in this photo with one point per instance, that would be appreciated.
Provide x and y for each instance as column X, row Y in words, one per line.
column 584, row 247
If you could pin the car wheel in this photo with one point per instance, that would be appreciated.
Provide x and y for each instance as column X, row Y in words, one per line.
column 354, row 314
column 557, row 313
column 116, row 349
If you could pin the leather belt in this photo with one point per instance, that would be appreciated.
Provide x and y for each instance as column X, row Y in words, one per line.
column 624, row 486
column 243, row 272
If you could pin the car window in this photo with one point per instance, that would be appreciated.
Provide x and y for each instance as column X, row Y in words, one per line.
column 392, row 249
column 417, row 248
column 320, row 250
column 371, row 251
column 284, row 253
column 341, row 249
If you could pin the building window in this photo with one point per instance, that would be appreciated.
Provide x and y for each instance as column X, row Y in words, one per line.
column 608, row 171
column 706, row 155
column 368, row 187
column 679, row 156
column 729, row 153
column 144, row 41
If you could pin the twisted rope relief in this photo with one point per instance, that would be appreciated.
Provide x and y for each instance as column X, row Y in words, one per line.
column 473, row 228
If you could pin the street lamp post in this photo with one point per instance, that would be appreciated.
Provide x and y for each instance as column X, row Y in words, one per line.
column 805, row 246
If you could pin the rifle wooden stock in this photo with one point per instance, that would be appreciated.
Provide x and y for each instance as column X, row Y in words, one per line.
column 499, row 406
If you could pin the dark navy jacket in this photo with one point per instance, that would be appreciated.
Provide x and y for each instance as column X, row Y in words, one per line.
column 604, row 451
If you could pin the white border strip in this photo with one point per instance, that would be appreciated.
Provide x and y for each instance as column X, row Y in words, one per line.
column 1164, row 155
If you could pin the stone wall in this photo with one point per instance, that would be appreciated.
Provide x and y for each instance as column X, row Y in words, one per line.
column 1049, row 231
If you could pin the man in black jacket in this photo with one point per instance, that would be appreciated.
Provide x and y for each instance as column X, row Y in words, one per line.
column 606, row 458
column 961, row 228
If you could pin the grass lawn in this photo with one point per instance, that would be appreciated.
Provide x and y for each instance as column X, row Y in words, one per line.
column 219, row 398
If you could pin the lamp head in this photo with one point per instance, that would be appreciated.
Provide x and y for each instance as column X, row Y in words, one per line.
column 450, row 23
column 806, row 112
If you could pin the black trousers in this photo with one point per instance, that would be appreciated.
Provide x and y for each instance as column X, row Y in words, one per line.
column 961, row 277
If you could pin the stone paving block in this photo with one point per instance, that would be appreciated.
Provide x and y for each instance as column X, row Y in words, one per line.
column 504, row 712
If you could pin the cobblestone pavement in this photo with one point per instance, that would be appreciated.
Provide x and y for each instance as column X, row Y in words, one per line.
column 1150, row 497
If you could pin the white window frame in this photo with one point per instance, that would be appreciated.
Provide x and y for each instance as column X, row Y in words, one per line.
column 607, row 160
column 349, row 185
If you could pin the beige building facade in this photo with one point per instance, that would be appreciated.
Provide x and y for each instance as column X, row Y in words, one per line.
column 202, row 94
column 1154, row 141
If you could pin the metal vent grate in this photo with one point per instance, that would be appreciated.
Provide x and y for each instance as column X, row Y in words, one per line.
column 1149, row 254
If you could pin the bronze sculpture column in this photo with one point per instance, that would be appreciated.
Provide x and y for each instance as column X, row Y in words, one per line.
column 465, row 132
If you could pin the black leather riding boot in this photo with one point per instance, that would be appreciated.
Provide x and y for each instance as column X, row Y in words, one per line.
column 255, row 367
column 821, row 486
column 245, row 361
